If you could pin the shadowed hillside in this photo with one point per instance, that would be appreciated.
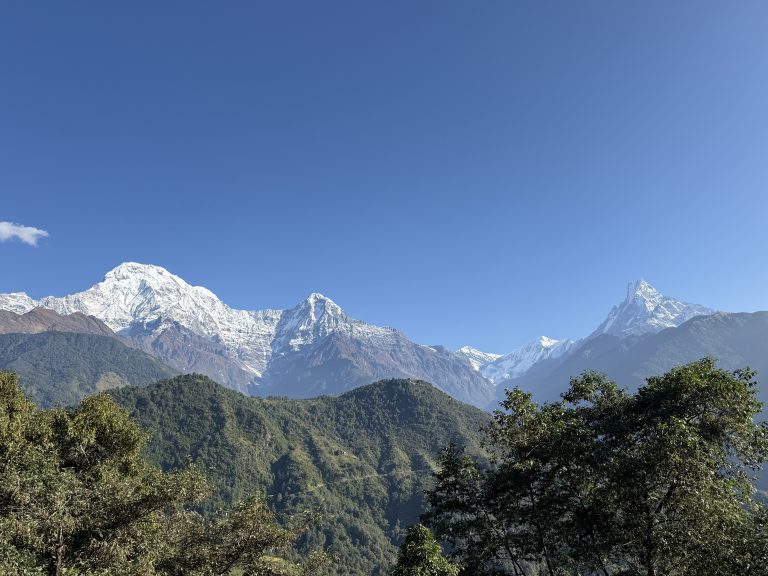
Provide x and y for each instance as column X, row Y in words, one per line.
column 60, row 368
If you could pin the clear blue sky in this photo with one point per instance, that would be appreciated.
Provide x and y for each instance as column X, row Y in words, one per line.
column 469, row 172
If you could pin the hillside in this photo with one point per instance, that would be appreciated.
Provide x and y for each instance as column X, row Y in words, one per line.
column 60, row 368
column 361, row 460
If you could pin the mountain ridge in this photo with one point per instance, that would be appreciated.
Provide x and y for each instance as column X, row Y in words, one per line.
column 190, row 329
column 39, row 320
column 315, row 347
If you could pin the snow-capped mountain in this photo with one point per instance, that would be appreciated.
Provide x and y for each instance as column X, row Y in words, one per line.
column 135, row 298
column 545, row 366
column 315, row 347
column 645, row 310
column 189, row 328
column 17, row 302
column 521, row 360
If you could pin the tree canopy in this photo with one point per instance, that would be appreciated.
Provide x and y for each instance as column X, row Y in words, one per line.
column 420, row 555
column 652, row 483
column 77, row 498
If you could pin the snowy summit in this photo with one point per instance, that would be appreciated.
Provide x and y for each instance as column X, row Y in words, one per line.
column 645, row 310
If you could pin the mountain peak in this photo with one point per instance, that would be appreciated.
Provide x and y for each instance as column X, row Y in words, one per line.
column 642, row 291
column 317, row 305
column 313, row 318
column 646, row 310
column 136, row 269
column 141, row 277
column 545, row 342
column 18, row 302
column 317, row 298
column 640, row 288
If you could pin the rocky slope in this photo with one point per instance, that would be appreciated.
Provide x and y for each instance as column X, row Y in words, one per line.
column 39, row 320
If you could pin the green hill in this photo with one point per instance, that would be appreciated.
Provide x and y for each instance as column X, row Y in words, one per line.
column 60, row 368
column 361, row 460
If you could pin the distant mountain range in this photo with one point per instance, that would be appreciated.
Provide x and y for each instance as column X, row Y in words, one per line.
column 737, row 340
column 315, row 348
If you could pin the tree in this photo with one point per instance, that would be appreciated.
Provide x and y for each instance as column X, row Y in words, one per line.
column 604, row 481
column 76, row 497
column 420, row 555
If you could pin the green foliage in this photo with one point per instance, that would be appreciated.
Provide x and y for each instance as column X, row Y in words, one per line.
column 420, row 555
column 360, row 461
column 77, row 498
column 606, row 482
column 60, row 368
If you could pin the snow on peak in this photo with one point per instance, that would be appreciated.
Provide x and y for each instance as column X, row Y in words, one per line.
column 646, row 310
column 319, row 316
column 476, row 358
column 640, row 288
column 133, row 269
column 144, row 293
column 313, row 318
column 139, row 295
column 519, row 361
column 317, row 306
column 17, row 302
column 547, row 342
column 147, row 298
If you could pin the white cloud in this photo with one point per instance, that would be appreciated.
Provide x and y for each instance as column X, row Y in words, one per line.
column 27, row 234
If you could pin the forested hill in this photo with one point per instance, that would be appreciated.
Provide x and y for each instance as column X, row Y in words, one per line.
column 60, row 368
column 362, row 460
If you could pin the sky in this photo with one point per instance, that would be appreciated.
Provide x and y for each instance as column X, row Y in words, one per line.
column 469, row 172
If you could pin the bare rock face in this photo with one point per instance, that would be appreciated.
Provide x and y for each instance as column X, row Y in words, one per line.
column 187, row 352
column 43, row 320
